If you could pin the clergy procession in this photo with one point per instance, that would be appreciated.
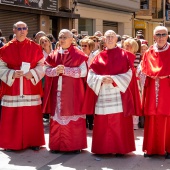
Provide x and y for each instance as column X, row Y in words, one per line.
column 109, row 84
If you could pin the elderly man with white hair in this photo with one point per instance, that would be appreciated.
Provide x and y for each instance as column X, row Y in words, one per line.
column 156, row 68
column 66, row 72
column 110, row 97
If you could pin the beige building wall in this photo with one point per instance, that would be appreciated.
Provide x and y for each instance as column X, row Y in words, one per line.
column 45, row 24
column 98, row 14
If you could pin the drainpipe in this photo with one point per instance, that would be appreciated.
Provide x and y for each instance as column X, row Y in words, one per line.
column 164, row 4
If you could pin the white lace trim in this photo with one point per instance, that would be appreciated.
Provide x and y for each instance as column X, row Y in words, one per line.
column 155, row 47
column 64, row 120
column 157, row 91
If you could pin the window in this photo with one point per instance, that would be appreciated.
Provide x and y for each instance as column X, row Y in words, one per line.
column 144, row 4
column 86, row 25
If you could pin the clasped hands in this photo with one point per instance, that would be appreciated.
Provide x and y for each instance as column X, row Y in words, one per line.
column 19, row 73
column 107, row 80
column 60, row 69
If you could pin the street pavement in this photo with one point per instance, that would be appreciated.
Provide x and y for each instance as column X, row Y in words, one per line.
column 44, row 160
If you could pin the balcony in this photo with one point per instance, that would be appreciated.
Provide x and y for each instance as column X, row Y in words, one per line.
column 122, row 5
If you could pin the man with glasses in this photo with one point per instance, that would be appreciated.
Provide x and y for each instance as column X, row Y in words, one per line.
column 66, row 71
column 155, row 67
column 21, row 71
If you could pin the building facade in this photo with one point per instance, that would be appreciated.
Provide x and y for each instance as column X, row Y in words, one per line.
column 151, row 14
column 46, row 15
column 101, row 15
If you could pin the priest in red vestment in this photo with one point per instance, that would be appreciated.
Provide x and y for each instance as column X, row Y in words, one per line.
column 21, row 71
column 66, row 71
column 156, row 69
column 112, row 97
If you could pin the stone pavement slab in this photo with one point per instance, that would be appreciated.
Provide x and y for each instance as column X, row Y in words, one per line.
column 44, row 160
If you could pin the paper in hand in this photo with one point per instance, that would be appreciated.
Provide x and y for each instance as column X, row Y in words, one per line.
column 25, row 67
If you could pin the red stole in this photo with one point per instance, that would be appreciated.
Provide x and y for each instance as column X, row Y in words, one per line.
column 113, row 62
column 73, row 89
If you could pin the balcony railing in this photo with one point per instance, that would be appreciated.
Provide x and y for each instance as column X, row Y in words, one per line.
column 125, row 5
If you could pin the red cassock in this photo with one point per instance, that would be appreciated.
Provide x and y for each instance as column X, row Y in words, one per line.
column 156, row 101
column 21, row 124
column 70, row 136
column 113, row 133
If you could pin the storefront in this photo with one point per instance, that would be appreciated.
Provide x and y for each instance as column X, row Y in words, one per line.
column 39, row 15
column 140, row 25
column 102, row 19
column 147, row 28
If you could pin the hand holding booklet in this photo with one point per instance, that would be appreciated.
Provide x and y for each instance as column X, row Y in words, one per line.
column 25, row 67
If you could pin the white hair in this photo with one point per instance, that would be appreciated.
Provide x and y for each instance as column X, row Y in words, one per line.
column 158, row 28
column 109, row 32
column 18, row 23
column 66, row 31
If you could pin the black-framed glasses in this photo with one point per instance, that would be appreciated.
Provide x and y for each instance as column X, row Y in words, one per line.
column 21, row 28
column 161, row 35
column 83, row 45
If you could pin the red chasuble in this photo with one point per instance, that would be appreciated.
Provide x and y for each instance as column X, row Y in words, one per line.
column 14, row 53
column 113, row 62
column 21, row 127
column 73, row 89
column 157, row 111
column 156, row 64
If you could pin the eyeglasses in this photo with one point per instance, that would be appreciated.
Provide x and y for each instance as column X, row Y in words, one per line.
column 161, row 35
column 21, row 28
column 64, row 38
column 74, row 32
column 109, row 37
column 83, row 45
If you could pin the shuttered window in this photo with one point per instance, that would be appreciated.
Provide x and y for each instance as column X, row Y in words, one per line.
column 8, row 18
column 108, row 25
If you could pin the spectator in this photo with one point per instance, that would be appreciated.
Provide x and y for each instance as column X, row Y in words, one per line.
column 74, row 32
column 10, row 37
column 98, row 34
column 3, row 39
column 132, row 46
column 87, row 46
column 144, row 47
column 96, row 42
column 124, row 37
column 38, row 36
column 52, row 39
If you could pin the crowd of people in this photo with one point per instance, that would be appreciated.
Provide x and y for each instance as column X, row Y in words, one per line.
column 108, row 83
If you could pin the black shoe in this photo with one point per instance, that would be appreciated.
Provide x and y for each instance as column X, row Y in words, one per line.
column 147, row 155
column 9, row 150
column 77, row 151
column 119, row 155
column 167, row 156
column 90, row 127
column 54, row 151
column 35, row 148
